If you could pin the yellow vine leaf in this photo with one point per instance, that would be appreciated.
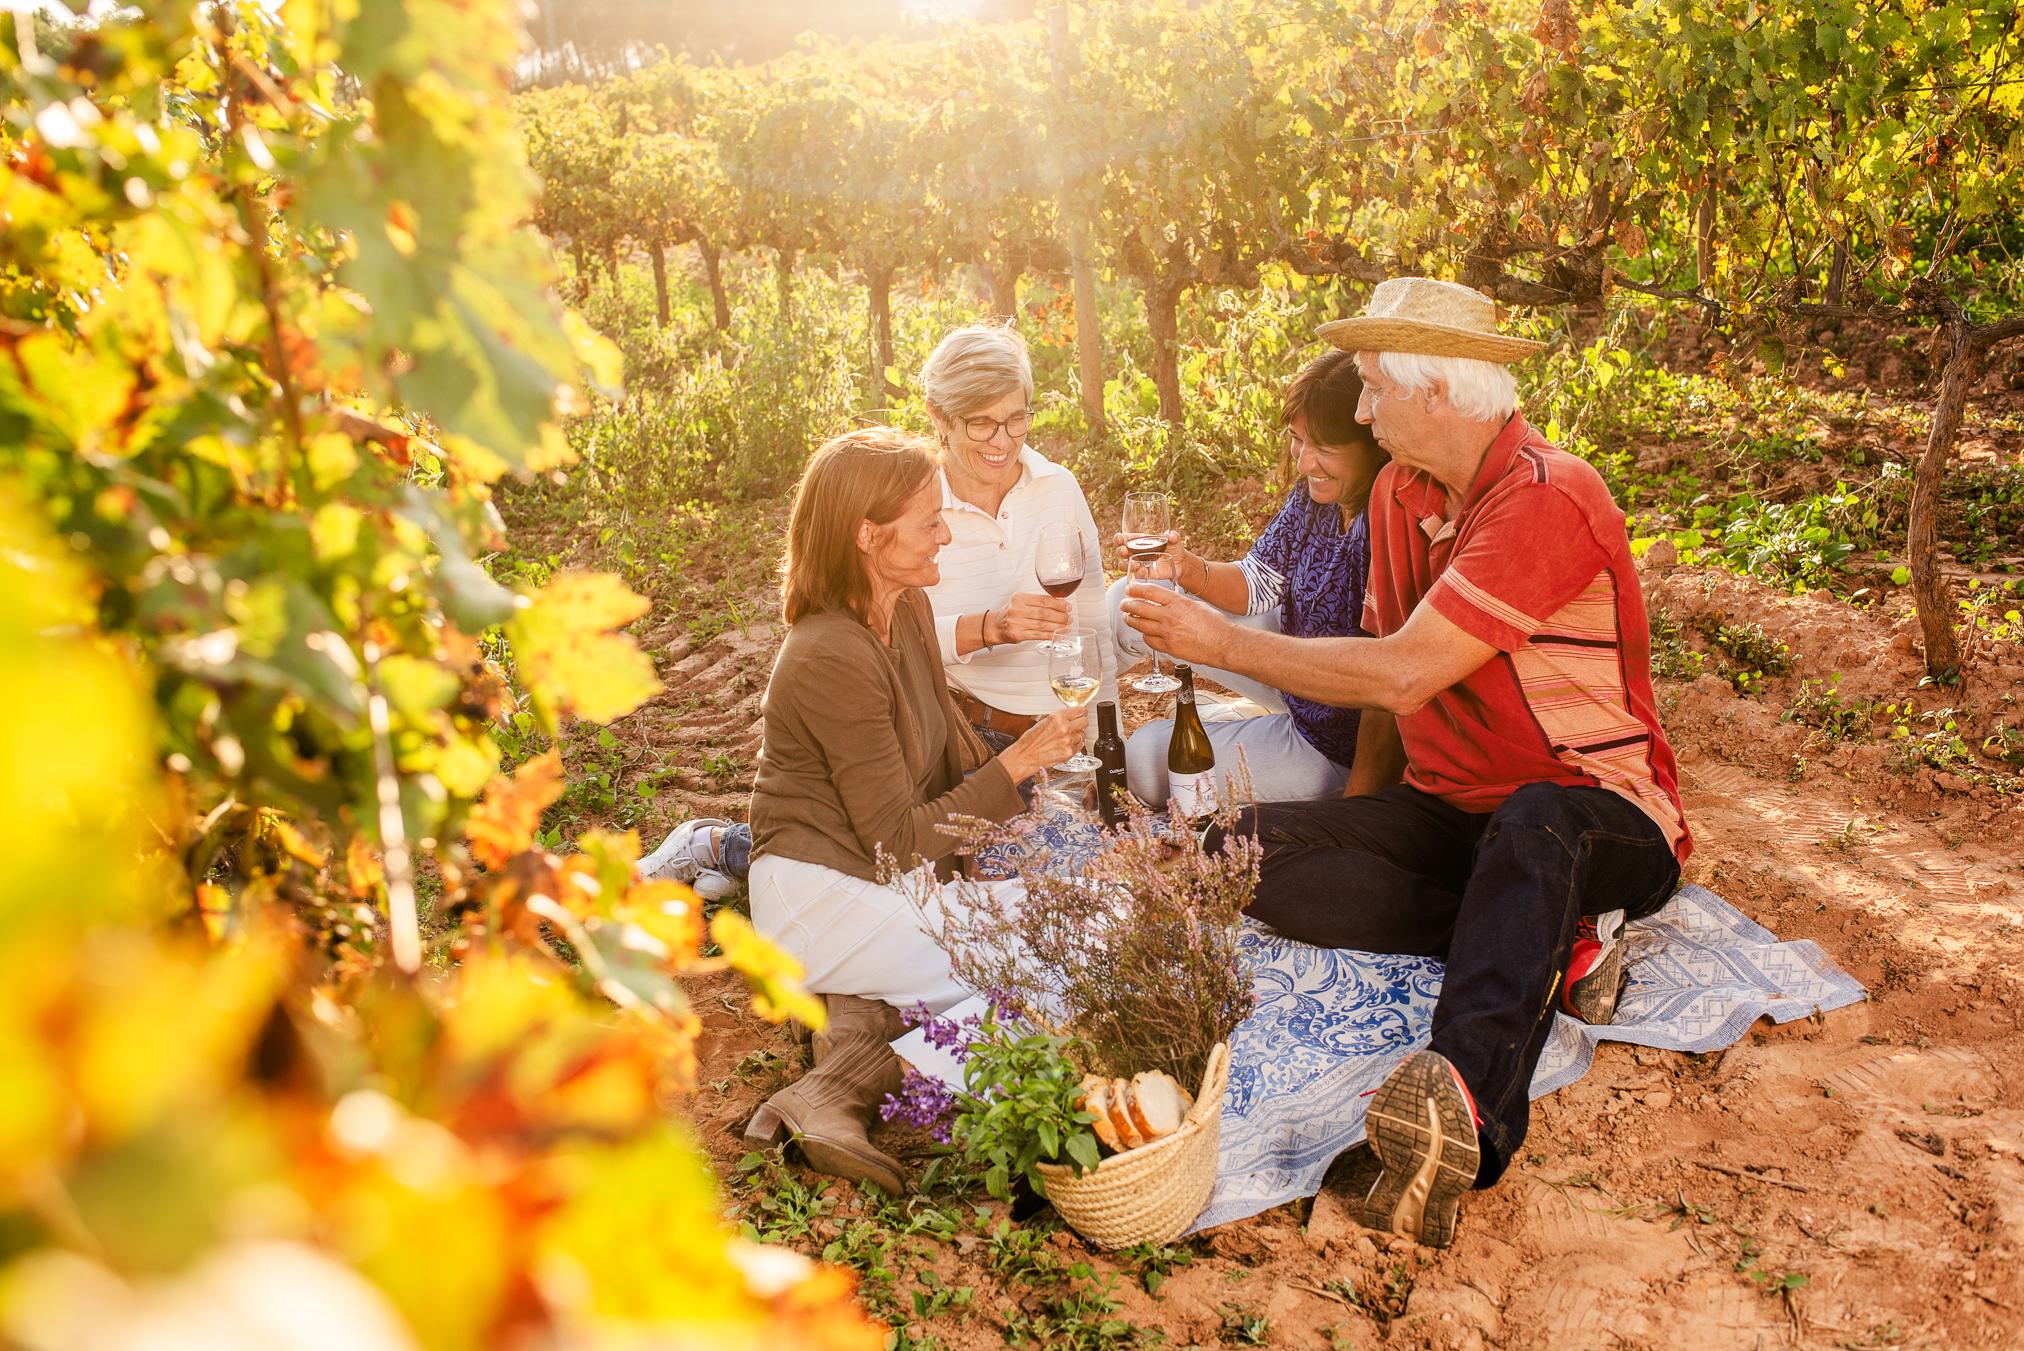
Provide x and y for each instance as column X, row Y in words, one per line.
column 568, row 656
column 364, row 874
column 505, row 819
column 775, row 977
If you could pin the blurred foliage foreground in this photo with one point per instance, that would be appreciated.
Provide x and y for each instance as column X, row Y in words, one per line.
column 303, row 1043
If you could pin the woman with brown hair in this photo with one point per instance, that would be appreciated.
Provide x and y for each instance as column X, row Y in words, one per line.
column 1006, row 505
column 865, row 758
column 1305, row 576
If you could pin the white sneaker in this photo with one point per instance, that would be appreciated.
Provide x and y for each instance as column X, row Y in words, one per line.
column 676, row 860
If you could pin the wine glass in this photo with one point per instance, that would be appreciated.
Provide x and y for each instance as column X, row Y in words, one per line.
column 1058, row 565
column 1075, row 673
column 1147, row 518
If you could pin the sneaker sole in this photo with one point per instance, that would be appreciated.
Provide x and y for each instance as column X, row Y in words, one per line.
column 1422, row 1133
column 1593, row 998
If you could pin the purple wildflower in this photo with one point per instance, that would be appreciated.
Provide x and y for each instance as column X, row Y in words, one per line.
column 947, row 1035
column 923, row 1102
column 944, row 1034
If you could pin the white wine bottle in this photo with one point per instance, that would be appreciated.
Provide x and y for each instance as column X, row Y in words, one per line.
column 1191, row 760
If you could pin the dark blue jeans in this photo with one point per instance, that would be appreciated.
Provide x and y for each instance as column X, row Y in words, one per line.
column 1496, row 894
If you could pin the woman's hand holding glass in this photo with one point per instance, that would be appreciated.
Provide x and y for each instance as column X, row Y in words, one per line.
column 1025, row 619
column 1046, row 743
column 1075, row 674
column 1172, row 565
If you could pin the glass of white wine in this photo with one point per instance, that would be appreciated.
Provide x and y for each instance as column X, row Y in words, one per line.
column 1075, row 673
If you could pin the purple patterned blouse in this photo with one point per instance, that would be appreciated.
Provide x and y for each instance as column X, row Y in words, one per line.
column 1314, row 570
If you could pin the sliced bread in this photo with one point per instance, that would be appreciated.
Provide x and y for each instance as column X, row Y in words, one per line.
column 1120, row 1115
column 1095, row 1099
column 1156, row 1104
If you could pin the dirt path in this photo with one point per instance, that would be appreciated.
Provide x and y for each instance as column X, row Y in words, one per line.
column 1852, row 1181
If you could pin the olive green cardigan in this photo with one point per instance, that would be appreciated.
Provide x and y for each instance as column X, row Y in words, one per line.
column 843, row 753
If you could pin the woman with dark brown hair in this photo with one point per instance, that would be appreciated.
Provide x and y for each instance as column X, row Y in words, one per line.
column 1303, row 576
column 865, row 758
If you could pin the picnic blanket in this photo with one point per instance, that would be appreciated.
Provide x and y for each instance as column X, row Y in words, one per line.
column 1330, row 1024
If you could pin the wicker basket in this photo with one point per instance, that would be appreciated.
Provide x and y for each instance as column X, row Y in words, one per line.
column 1149, row 1194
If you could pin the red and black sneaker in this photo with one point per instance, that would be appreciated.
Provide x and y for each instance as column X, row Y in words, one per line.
column 1422, row 1126
column 1595, row 974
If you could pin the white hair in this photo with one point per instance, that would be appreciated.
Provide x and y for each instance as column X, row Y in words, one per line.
column 1483, row 391
column 976, row 366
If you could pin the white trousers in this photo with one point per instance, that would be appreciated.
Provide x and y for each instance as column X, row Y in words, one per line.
column 857, row 937
column 1282, row 766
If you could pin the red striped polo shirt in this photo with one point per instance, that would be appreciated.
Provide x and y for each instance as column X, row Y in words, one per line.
column 1535, row 562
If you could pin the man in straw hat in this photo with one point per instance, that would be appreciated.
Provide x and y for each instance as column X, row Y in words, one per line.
column 1509, row 678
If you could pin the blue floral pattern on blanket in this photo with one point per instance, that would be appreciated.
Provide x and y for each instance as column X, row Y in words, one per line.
column 1331, row 1023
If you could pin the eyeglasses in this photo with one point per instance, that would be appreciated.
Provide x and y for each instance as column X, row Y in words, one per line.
column 984, row 428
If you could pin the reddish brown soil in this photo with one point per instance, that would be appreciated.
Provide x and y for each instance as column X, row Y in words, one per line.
column 1665, row 1199
column 1851, row 1181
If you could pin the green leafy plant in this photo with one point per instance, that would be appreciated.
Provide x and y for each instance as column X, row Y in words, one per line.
column 1784, row 1284
column 1241, row 1327
column 1821, row 705
column 1017, row 1107
column 1084, row 1317
column 1154, row 1262
column 1752, row 653
column 1672, row 658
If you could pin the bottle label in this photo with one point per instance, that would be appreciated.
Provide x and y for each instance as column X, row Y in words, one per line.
column 1195, row 794
column 1110, row 787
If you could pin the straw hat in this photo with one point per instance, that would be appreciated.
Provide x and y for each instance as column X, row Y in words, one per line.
column 1433, row 318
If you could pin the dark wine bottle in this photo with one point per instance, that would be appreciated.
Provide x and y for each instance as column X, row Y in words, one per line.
column 1191, row 760
column 1110, row 785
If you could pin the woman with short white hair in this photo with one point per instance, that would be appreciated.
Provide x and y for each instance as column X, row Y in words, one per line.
column 998, row 495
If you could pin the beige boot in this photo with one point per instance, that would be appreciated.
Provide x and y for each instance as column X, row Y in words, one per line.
column 829, row 1109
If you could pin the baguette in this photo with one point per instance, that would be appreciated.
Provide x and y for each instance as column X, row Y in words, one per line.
column 1095, row 1099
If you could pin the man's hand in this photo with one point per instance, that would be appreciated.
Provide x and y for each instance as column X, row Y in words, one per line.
column 1176, row 625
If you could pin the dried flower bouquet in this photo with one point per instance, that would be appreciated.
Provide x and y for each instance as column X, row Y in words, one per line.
column 1134, row 959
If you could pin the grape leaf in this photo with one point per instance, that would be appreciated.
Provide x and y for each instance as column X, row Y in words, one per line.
column 569, row 659
column 505, row 819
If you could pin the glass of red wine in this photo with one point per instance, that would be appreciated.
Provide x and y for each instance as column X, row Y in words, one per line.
column 1057, row 566
column 1147, row 519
